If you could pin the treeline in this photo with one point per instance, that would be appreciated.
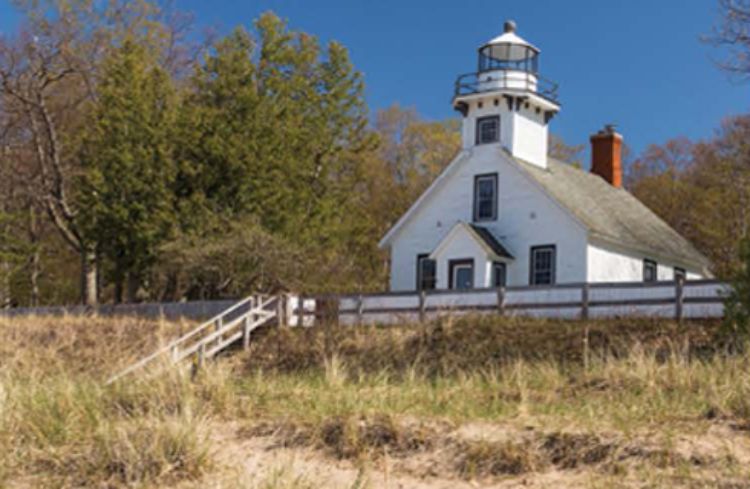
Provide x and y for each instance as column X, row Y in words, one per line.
column 702, row 189
column 137, row 164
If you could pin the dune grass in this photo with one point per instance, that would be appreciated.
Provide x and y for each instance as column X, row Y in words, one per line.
column 356, row 394
column 637, row 391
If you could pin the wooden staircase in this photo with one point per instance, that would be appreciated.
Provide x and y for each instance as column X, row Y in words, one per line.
column 216, row 334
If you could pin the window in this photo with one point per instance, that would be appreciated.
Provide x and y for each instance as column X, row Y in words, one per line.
column 488, row 129
column 649, row 270
column 542, row 265
column 679, row 274
column 499, row 277
column 426, row 276
column 461, row 274
column 485, row 197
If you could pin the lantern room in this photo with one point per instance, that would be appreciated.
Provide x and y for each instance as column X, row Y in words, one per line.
column 508, row 61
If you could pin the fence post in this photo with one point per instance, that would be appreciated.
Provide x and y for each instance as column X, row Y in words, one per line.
column 337, row 310
column 679, row 298
column 586, row 352
column 585, row 301
column 201, row 355
column 300, row 310
column 422, row 305
column 501, row 301
column 360, row 309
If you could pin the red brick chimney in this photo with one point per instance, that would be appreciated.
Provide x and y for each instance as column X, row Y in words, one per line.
column 606, row 155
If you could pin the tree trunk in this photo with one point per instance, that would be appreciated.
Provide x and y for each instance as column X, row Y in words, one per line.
column 34, row 273
column 35, row 260
column 89, row 278
column 170, row 288
column 134, row 284
column 118, row 290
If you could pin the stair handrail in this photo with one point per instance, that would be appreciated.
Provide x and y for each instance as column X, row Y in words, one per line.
column 186, row 352
column 182, row 339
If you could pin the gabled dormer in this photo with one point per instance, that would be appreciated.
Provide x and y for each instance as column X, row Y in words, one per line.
column 506, row 102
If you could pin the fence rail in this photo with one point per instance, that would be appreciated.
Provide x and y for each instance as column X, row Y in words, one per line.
column 170, row 310
column 671, row 299
column 679, row 300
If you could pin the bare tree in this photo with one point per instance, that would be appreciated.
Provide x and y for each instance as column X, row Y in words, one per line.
column 48, row 80
column 733, row 34
column 5, row 198
column 43, row 88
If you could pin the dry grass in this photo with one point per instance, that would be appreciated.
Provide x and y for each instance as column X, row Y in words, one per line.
column 480, row 398
column 60, row 427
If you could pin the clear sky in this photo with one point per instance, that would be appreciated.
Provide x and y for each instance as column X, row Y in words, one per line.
column 637, row 63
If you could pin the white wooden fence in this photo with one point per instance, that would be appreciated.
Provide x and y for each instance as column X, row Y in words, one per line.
column 673, row 299
column 691, row 299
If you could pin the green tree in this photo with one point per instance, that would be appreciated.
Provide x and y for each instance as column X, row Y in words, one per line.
column 735, row 330
column 127, row 187
column 274, row 130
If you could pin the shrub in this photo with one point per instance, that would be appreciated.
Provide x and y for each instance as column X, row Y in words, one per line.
column 735, row 330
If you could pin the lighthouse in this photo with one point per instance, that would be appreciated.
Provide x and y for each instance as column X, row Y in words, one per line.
column 507, row 102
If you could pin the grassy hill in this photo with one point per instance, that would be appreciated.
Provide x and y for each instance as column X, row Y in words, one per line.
column 471, row 402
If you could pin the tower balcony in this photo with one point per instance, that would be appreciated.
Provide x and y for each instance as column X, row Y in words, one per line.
column 506, row 80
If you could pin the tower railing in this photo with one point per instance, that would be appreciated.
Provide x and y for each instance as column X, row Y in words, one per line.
column 515, row 80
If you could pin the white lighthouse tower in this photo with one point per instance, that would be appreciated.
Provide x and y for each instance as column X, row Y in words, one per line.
column 506, row 101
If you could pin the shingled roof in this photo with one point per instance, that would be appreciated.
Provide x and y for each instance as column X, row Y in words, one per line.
column 491, row 241
column 612, row 214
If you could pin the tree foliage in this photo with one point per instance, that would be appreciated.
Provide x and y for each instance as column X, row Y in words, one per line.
column 249, row 163
column 735, row 331
column 273, row 128
column 128, row 170
column 701, row 189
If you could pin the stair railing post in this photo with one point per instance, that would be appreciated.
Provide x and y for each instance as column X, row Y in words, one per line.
column 501, row 301
column 280, row 311
column 585, row 301
column 679, row 298
column 246, row 332
column 201, row 355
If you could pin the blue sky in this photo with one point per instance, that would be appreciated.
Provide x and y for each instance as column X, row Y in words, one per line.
column 639, row 64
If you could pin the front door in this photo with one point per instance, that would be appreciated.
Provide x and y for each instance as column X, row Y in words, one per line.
column 461, row 274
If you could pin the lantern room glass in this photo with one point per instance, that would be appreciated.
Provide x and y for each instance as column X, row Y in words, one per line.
column 508, row 57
